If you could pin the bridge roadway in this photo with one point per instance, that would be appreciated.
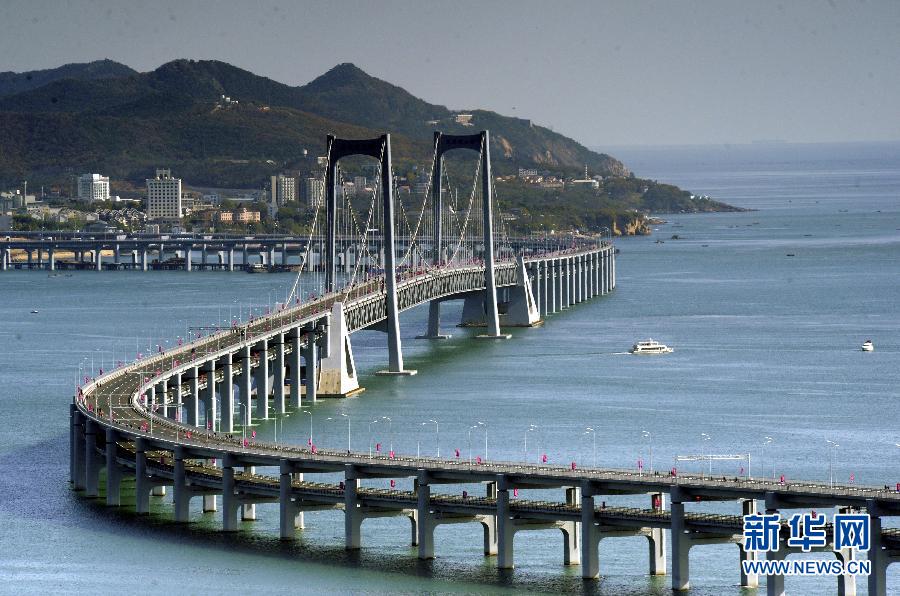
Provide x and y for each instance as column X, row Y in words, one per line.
column 161, row 452
column 207, row 251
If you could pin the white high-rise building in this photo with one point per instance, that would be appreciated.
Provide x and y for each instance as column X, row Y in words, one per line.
column 313, row 191
column 164, row 196
column 284, row 189
column 93, row 187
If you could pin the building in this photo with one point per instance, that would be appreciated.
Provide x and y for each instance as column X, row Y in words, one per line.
column 284, row 189
column 244, row 215
column 93, row 187
column 164, row 196
column 313, row 191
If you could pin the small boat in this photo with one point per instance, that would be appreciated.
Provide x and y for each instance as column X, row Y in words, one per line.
column 868, row 346
column 650, row 347
column 34, row 312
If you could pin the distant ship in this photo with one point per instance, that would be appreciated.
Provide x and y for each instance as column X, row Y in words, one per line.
column 650, row 347
column 868, row 346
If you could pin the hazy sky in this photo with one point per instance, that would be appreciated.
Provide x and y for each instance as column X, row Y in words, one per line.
column 605, row 73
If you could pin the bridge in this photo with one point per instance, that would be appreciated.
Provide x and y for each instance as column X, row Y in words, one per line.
column 169, row 419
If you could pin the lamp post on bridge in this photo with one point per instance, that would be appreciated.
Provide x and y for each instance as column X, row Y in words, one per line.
column 469, row 441
column 649, row 436
column 390, row 433
column 705, row 438
column 310, row 440
column 531, row 427
column 370, row 436
column 768, row 441
column 484, row 424
column 832, row 445
column 588, row 430
column 437, row 432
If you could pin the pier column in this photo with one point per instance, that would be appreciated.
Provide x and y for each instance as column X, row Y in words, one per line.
column 204, row 255
column 193, row 404
column 78, row 441
column 91, row 467
column 210, row 404
column 187, row 256
column 424, row 520
column 590, row 535
column 571, row 530
column 51, row 259
column 229, row 500
column 748, row 507
column 295, row 337
column 180, row 494
column 279, row 374
column 577, row 284
column 262, row 381
column 209, row 501
column 144, row 259
column 774, row 583
column 312, row 365
column 248, row 510
column 244, row 386
column 113, row 472
column 141, row 480
column 117, row 256
column 178, row 398
column 98, row 259
column 352, row 515
column 572, row 277
column 560, row 283
column 877, row 581
column 657, row 538
column 231, row 258
column 287, row 509
column 596, row 271
column 505, row 526
column 681, row 549
column 226, row 425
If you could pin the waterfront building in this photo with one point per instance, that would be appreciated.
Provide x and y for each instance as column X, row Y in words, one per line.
column 93, row 187
column 164, row 196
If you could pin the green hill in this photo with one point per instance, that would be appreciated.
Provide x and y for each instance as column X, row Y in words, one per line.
column 19, row 82
column 127, row 125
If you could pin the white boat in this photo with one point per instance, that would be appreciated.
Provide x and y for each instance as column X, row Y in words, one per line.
column 650, row 347
column 868, row 346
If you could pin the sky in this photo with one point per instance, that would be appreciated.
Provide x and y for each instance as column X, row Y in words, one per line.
column 606, row 73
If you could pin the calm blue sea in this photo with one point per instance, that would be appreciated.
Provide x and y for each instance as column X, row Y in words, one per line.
column 766, row 344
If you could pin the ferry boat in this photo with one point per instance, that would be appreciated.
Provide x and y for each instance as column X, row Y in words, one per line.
column 868, row 346
column 650, row 347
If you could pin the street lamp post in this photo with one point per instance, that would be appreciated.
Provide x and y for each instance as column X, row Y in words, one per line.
column 531, row 427
column 705, row 438
column 588, row 430
column 437, row 432
column 768, row 441
column 649, row 436
column 390, row 433
column 484, row 424
column 833, row 446
column 370, row 436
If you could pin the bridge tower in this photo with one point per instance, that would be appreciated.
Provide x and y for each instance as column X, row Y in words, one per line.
column 479, row 142
column 380, row 149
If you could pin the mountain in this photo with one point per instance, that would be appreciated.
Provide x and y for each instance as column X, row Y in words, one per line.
column 17, row 82
column 105, row 116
